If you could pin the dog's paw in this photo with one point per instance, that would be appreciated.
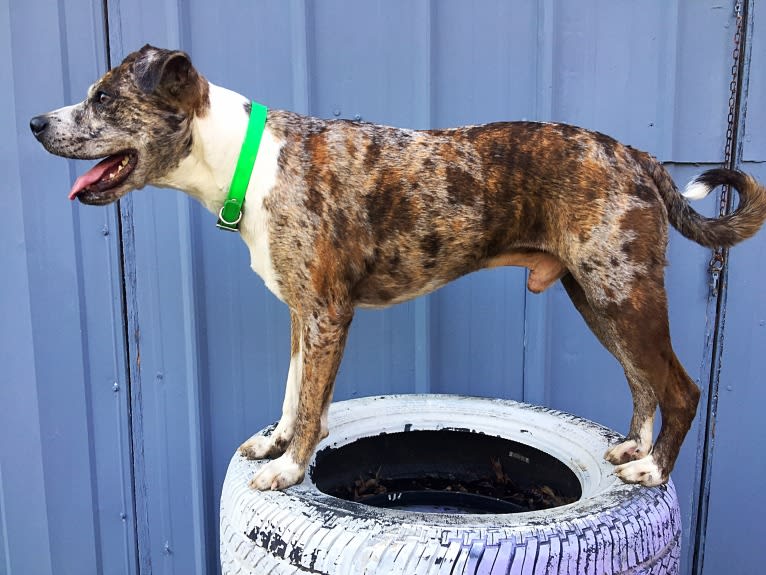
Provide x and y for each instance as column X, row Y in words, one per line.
column 259, row 447
column 643, row 471
column 625, row 452
column 280, row 473
column 267, row 446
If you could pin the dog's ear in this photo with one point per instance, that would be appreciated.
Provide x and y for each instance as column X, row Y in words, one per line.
column 165, row 70
column 170, row 74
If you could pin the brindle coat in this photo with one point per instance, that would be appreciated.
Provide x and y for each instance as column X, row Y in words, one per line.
column 366, row 215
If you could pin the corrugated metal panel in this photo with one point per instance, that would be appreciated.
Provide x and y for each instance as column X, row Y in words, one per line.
column 166, row 337
column 65, row 467
column 209, row 344
column 736, row 488
column 754, row 140
column 731, row 539
column 21, row 466
column 450, row 63
column 642, row 73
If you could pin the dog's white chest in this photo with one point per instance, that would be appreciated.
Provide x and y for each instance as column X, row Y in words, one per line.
column 255, row 224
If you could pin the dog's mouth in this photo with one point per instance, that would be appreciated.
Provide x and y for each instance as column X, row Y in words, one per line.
column 93, row 186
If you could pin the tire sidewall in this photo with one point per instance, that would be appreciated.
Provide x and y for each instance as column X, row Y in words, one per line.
column 615, row 527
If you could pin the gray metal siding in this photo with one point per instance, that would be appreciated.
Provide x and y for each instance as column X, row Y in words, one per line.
column 65, row 475
column 735, row 487
column 737, row 499
column 102, row 479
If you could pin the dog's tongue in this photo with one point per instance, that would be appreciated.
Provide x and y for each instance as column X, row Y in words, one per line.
column 93, row 175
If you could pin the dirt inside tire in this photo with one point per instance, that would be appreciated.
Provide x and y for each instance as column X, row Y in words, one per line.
column 447, row 471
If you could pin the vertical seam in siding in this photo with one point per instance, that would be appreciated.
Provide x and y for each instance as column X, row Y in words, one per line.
column 4, row 526
column 717, row 307
column 198, row 452
column 300, row 42
column 668, row 83
column 422, row 305
column 545, row 36
column 126, row 268
column 135, row 414
column 534, row 381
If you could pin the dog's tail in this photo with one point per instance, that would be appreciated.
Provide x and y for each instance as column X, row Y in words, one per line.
column 725, row 231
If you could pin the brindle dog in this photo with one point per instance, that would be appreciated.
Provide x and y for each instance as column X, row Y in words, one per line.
column 343, row 214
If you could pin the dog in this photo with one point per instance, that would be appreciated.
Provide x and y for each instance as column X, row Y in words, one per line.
column 343, row 214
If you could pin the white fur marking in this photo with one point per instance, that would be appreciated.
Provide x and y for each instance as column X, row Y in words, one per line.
column 643, row 471
column 217, row 139
column 292, row 394
column 64, row 114
column 260, row 446
column 646, row 434
column 278, row 474
column 636, row 449
column 324, row 426
column 206, row 173
column 255, row 222
column 696, row 190
column 616, row 453
column 256, row 447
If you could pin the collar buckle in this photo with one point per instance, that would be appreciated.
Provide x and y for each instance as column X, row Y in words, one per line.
column 229, row 216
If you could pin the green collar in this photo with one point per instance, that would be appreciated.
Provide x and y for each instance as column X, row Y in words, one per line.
column 231, row 211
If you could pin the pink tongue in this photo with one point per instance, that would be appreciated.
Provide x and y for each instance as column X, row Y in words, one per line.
column 94, row 175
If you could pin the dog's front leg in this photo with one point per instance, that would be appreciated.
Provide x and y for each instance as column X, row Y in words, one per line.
column 322, row 342
column 276, row 443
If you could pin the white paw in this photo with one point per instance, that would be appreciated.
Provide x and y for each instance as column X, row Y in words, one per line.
column 625, row 452
column 643, row 471
column 278, row 474
column 268, row 446
column 258, row 447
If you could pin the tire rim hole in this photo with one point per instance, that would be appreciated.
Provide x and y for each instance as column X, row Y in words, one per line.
column 445, row 471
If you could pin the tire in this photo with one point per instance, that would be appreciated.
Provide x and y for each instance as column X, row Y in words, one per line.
column 613, row 528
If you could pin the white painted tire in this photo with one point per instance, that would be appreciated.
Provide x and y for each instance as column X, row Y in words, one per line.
column 612, row 528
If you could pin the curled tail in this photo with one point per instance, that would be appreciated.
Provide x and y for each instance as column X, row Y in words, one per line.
column 725, row 231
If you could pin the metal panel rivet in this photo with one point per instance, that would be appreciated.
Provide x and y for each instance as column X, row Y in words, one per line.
column 729, row 388
column 167, row 550
column 357, row 117
column 336, row 113
column 115, row 387
column 105, row 231
column 123, row 516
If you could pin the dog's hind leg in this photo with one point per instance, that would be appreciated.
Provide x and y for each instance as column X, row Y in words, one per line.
column 636, row 329
column 323, row 340
column 276, row 443
column 678, row 397
column 638, row 442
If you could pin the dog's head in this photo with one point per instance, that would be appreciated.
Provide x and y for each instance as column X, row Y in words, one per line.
column 137, row 118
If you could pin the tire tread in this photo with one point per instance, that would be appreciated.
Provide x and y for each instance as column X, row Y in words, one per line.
column 286, row 533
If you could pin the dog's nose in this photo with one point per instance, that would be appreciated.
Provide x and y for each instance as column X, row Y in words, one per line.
column 38, row 124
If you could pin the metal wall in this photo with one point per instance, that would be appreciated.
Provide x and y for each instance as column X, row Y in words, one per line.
column 138, row 350
column 65, row 474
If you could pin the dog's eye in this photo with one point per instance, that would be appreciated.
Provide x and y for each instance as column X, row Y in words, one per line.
column 102, row 97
